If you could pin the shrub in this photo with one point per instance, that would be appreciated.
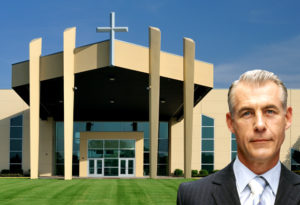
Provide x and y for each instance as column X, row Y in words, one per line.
column 4, row 171
column 178, row 173
column 216, row 170
column 11, row 173
column 203, row 173
column 194, row 173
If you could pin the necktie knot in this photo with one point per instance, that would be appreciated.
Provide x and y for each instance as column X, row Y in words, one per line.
column 257, row 185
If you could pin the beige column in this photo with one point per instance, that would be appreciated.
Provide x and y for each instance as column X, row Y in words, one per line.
column 69, row 46
column 35, row 51
column 188, row 66
column 154, row 67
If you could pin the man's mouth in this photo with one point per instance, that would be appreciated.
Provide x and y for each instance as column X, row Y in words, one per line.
column 260, row 140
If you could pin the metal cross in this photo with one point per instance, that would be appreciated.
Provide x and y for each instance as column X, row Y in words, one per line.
column 112, row 29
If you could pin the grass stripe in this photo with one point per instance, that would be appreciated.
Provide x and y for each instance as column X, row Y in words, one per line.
column 89, row 191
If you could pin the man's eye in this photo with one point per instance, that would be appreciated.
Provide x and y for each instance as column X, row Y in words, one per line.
column 270, row 111
column 245, row 114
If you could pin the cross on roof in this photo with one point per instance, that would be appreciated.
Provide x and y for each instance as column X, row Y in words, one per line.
column 112, row 29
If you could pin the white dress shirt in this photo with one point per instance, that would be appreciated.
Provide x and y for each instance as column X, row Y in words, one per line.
column 243, row 176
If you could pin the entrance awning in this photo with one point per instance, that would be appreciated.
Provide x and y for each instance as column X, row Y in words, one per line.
column 112, row 93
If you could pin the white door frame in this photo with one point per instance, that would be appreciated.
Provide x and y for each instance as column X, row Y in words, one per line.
column 95, row 160
column 126, row 167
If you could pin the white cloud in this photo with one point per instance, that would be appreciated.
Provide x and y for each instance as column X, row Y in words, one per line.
column 282, row 58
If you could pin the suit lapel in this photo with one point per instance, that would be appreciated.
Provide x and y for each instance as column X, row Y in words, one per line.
column 225, row 191
column 288, row 189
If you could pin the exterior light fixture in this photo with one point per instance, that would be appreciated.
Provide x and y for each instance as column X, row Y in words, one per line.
column 112, row 79
column 162, row 101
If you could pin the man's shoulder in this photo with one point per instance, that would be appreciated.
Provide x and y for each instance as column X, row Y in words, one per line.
column 289, row 175
column 216, row 178
column 203, row 182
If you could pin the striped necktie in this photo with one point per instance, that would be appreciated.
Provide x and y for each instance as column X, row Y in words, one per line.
column 257, row 186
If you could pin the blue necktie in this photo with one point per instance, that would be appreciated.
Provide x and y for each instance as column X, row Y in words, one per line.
column 257, row 186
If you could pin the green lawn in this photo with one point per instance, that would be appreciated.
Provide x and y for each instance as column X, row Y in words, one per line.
column 89, row 191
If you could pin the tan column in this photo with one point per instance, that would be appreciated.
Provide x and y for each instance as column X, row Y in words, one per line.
column 188, row 66
column 69, row 46
column 154, row 67
column 35, row 51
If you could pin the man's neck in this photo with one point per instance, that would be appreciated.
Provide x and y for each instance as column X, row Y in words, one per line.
column 259, row 167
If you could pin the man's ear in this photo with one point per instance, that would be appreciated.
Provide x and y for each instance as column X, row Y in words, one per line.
column 288, row 117
column 229, row 122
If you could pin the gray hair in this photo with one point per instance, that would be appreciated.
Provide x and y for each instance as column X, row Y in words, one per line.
column 256, row 77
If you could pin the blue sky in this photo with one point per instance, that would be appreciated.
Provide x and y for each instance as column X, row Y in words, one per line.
column 234, row 35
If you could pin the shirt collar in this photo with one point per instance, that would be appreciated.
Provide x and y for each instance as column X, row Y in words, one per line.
column 243, row 176
column 272, row 176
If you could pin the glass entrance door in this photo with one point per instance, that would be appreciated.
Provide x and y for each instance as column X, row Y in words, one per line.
column 126, row 167
column 95, row 167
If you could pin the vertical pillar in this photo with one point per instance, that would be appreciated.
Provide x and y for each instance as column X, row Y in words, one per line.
column 69, row 46
column 154, row 81
column 188, row 66
column 35, row 50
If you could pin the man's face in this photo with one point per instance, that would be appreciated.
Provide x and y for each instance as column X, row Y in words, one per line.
column 259, row 121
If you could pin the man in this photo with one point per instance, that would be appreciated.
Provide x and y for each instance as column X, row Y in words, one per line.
column 258, row 116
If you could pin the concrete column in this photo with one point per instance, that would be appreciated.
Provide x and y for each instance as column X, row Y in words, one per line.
column 188, row 66
column 35, row 51
column 154, row 79
column 69, row 46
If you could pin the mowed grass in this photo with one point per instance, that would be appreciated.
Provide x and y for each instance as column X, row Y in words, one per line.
column 89, row 191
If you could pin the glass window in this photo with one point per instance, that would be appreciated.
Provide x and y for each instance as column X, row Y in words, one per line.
column 208, row 145
column 207, row 121
column 144, row 127
column 16, row 121
column 59, row 157
column 16, row 157
column 127, row 153
column 95, row 153
column 15, row 168
column 162, row 170
column 146, row 158
column 96, row 144
column 162, row 158
column 111, row 171
column 146, row 145
column 127, row 144
column 163, row 130
column 207, row 132
column 111, row 153
column 207, row 157
column 111, row 162
column 163, row 145
column 233, row 147
column 75, row 158
column 295, row 160
column 111, row 144
column 233, row 155
column 16, row 132
column 60, row 169
column 146, row 170
column 208, row 167
column 16, row 145
column 110, row 149
column 207, row 153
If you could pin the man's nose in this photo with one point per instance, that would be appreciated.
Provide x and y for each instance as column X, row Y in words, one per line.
column 260, row 123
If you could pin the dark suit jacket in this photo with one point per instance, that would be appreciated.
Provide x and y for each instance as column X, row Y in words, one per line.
column 220, row 188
